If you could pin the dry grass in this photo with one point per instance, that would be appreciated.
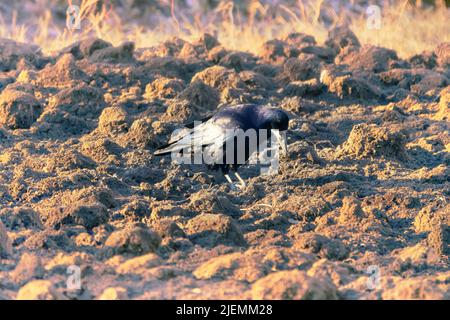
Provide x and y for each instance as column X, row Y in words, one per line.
column 405, row 28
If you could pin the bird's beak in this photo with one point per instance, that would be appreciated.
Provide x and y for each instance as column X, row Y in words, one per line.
column 281, row 139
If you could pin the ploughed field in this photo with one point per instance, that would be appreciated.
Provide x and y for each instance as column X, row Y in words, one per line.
column 359, row 210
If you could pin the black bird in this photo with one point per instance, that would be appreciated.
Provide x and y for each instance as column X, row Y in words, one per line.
column 224, row 140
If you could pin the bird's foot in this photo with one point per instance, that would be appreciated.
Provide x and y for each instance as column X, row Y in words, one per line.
column 236, row 186
column 242, row 183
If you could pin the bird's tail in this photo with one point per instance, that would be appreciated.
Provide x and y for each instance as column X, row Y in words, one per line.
column 167, row 149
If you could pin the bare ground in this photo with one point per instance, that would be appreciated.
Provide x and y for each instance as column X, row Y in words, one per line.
column 364, row 192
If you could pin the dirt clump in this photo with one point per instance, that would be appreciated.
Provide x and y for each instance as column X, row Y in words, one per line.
column 219, row 78
column 113, row 121
column 88, row 215
column 373, row 141
column 341, row 37
column 114, row 293
column 276, row 51
column 209, row 229
column 5, row 242
column 12, row 52
column 120, row 54
column 365, row 181
column 133, row 265
column 145, row 133
column 443, row 54
column 439, row 239
column 293, row 285
column 331, row 249
column 304, row 67
column 132, row 240
column 214, row 202
column 85, row 48
column 39, row 290
column 251, row 265
column 163, row 88
column 29, row 267
column 344, row 85
column 367, row 58
column 351, row 211
column 64, row 73
column 444, row 105
column 18, row 110
column 200, row 94
column 431, row 217
column 21, row 218
column 167, row 228
column 415, row 289
column 81, row 100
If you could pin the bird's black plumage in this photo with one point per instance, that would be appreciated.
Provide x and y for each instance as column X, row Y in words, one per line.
column 214, row 135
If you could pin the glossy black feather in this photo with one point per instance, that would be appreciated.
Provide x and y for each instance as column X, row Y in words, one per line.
column 244, row 117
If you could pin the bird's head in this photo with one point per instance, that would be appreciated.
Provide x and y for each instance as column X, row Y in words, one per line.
column 277, row 120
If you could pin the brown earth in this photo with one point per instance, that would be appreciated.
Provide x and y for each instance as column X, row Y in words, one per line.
column 366, row 185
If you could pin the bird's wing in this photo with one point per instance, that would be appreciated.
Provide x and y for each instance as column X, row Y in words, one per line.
column 212, row 132
column 179, row 134
column 187, row 129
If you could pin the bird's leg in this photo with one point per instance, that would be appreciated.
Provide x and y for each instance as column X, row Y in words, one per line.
column 228, row 178
column 242, row 184
column 233, row 186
